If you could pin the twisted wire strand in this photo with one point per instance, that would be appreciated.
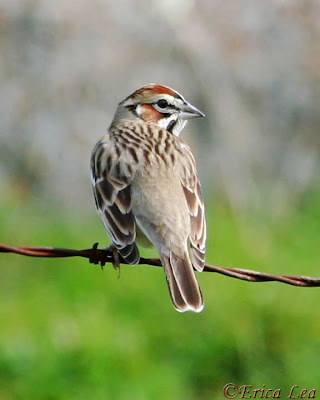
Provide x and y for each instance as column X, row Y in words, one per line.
column 103, row 256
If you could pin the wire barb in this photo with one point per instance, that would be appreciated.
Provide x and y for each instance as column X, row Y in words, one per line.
column 103, row 256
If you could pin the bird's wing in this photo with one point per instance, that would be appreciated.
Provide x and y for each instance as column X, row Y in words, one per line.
column 192, row 191
column 112, row 171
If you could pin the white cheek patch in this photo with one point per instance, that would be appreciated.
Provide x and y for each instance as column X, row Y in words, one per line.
column 165, row 122
column 178, row 127
column 139, row 110
column 173, row 124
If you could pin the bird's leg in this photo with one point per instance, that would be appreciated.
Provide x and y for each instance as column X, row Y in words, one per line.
column 115, row 253
column 96, row 257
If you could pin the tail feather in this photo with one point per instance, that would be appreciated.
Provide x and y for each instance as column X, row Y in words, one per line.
column 183, row 286
column 130, row 253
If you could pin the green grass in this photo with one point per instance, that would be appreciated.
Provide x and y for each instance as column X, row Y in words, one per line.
column 71, row 331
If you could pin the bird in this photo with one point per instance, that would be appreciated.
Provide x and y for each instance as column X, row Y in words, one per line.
column 147, row 190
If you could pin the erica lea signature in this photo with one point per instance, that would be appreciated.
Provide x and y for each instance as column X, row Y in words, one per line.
column 232, row 391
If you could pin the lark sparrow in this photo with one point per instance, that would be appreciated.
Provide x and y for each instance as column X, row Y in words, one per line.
column 147, row 190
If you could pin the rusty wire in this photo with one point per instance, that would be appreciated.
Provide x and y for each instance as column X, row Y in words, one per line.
column 103, row 256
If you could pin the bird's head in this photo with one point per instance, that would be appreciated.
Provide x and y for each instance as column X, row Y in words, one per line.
column 158, row 105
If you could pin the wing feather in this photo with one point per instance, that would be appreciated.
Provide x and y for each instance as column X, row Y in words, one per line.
column 192, row 191
column 112, row 175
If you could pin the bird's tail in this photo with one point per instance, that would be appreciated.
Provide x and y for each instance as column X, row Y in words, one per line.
column 183, row 286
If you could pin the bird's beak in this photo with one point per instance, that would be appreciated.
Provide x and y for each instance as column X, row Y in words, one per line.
column 188, row 111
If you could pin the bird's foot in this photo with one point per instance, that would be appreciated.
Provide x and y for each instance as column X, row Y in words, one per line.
column 115, row 254
column 108, row 254
column 95, row 256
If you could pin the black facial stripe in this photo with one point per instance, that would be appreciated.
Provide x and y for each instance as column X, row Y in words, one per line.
column 171, row 125
column 166, row 115
column 133, row 109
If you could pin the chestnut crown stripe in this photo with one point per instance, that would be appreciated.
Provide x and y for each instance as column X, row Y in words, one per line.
column 158, row 89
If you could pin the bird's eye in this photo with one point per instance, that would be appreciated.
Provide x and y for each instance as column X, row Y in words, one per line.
column 162, row 103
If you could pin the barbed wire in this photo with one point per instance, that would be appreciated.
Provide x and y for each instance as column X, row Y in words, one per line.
column 103, row 256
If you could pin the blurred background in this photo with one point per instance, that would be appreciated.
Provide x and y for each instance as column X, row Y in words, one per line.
column 70, row 331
